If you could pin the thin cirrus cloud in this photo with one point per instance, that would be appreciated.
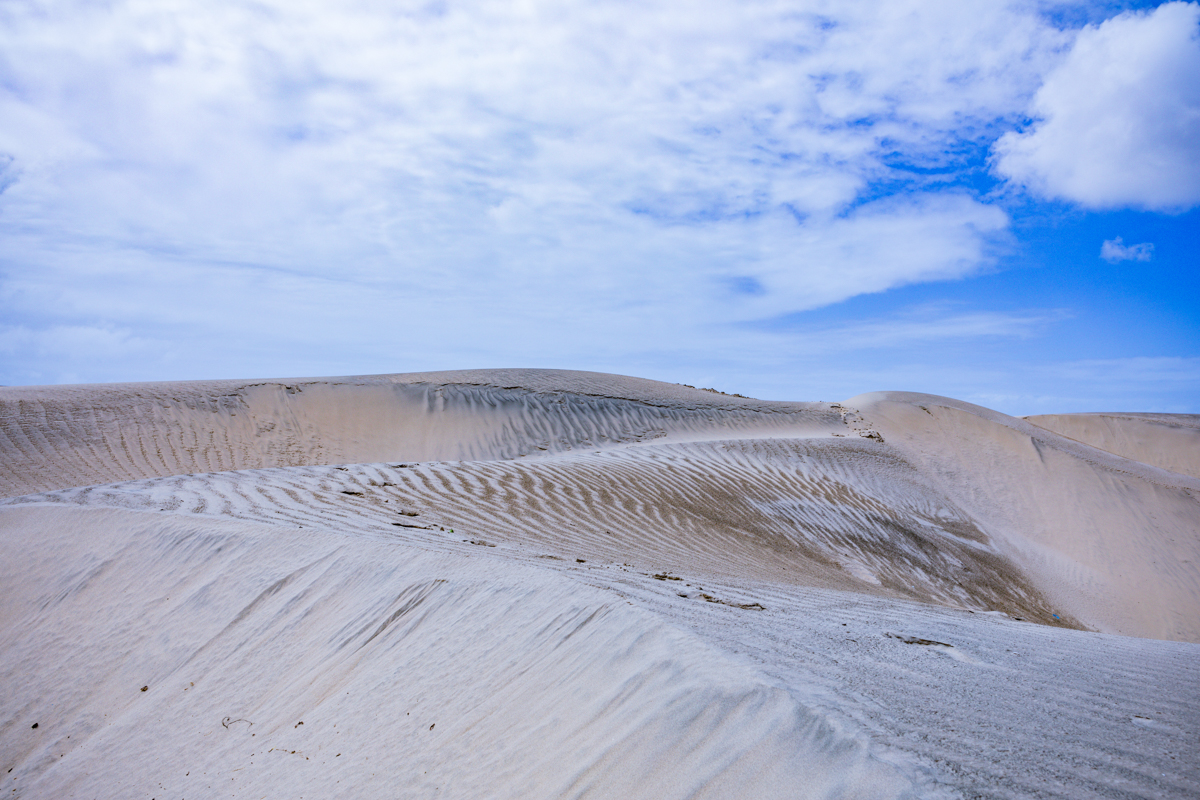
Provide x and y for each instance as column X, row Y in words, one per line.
column 922, row 326
column 1118, row 121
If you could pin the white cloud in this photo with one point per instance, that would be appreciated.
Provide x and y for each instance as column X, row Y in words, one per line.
column 1113, row 250
column 1119, row 119
column 430, row 140
column 57, row 353
column 923, row 327
column 881, row 245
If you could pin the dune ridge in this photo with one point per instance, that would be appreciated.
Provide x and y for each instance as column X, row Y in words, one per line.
column 1027, row 521
column 838, row 513
column 55, row 437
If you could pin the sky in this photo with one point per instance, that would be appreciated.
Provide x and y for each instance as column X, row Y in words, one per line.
column 805, row 200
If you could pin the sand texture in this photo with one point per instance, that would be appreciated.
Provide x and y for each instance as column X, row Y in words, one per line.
column 543, row 584
column 1170, row 441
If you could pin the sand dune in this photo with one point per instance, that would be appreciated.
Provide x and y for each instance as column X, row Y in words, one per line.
column 822, row 512
column 1170, row 441
column 421, row 671
column 54, row 437
column 532, row 583
column 1113, row 541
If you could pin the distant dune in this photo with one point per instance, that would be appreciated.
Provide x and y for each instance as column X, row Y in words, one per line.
column 1170, row 441
column 540, row 583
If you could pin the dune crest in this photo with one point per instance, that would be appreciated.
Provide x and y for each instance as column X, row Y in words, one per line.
column 55, row 437
column 910, row 496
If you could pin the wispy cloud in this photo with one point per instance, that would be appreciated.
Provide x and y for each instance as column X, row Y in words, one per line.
column 916, row 327
column 1162, row 384
column 1138, row 370
column 1113, row 250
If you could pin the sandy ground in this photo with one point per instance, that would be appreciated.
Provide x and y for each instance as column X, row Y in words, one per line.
column 531, row 583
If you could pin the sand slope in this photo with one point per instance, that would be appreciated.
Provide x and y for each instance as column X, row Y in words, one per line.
column 524, row 583
column 831, row 512
column 1170, row 441
column 1113, row 541
column 413, row 673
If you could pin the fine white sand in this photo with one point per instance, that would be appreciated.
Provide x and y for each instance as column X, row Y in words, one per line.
column 1170, row 441
column 533, row 583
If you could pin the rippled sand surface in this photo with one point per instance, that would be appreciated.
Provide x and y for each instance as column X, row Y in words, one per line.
column 537, row 583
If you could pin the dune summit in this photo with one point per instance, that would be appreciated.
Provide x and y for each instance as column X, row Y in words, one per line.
column 539, row 583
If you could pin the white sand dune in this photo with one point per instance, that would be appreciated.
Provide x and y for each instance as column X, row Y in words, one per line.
column 53, row 437
column 1114, row 541
column 1170, row 441
column 530, row 583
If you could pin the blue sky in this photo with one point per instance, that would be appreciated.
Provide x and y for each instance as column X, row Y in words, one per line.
column 796, row 200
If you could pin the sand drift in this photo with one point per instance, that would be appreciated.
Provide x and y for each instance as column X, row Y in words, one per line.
column 534, row 583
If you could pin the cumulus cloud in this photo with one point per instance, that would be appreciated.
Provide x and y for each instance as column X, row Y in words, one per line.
column 1118, row 122
column 1113, row 250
